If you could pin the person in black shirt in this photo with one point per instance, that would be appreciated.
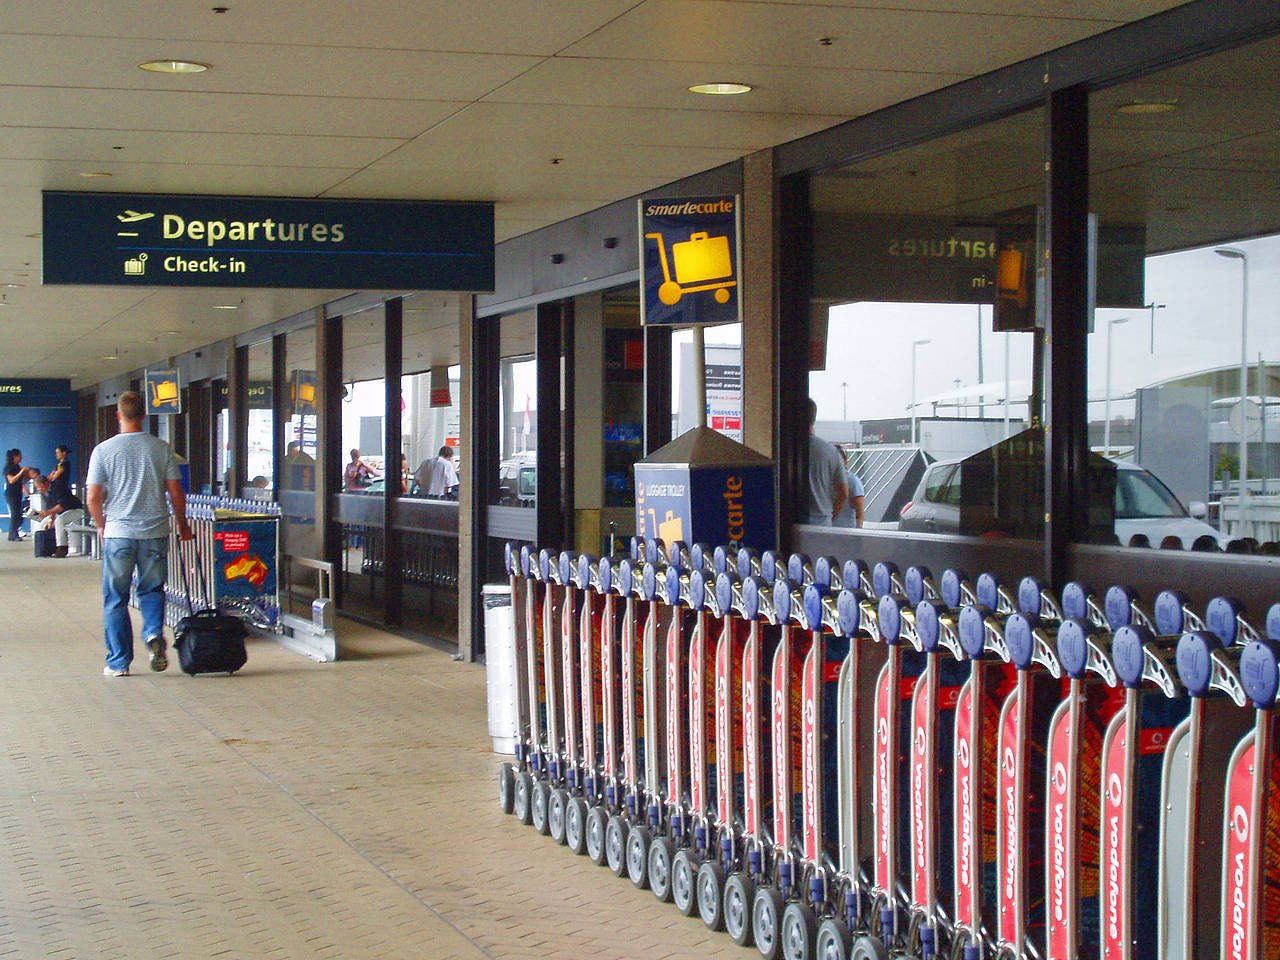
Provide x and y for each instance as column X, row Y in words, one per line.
column 62, row 510
column 60, row 475
column 15, row 475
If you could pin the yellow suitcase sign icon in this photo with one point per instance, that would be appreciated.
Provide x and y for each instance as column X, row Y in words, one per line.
column 164, row 393
column 671, row 529
column 701, row 263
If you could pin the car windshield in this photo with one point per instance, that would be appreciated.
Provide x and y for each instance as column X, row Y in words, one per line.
column 1140, row 496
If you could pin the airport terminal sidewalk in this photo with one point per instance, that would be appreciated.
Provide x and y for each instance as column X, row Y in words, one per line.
column 295, row 810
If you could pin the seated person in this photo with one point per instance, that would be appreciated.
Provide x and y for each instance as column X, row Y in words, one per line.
column 61, row 511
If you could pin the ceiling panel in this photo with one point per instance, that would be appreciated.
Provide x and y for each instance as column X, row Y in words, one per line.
column 428, row 99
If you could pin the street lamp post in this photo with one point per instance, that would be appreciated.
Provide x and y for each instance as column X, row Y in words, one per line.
column 1106, row 428
column 1233, row 253
column 914, row 345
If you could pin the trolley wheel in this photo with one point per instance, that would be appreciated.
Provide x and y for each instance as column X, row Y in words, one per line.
column 506, row 787
column 522, row 797
column 540, row 800
column 556, row 811
column 832, row 940
column 615, row 845
column 597, row 822
column 739, row 890
column 575, row 825
column 799, row 925
column 766, row 922
column 868, row 948
column 710, row 894
column 660, row 855
column 638, row 841
column 684, row 883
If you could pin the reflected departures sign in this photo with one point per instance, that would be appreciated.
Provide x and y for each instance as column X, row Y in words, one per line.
column 157, row 240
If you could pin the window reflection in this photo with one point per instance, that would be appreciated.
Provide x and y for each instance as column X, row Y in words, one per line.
column 1182, row 378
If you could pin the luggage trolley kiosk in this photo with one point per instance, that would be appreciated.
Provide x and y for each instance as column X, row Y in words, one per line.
column 725, row 854
column 520, row 771
column 1194, row 790
column 1250, row 904
column 755, row 840
column 931, row 747
column 708, row 625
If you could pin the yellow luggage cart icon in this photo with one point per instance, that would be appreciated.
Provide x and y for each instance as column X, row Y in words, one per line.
column 702, row 263
column 164, row 393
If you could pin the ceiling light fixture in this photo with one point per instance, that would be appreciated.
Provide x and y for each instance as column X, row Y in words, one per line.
column 722, row 88
column 95, row 174
column 226, row 306
column 1145, row 107
column 173, row 66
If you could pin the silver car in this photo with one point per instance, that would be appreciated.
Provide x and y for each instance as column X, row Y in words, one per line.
column 1144, row 508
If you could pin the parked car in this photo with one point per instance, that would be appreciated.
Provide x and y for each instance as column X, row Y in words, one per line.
column 1144, row 507
column 518, row 481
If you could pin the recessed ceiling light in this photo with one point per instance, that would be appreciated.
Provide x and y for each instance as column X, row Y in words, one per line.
column 1141, row 107
column 32, row 236
column 110, row 356
column 721, row 88
column 173, row 66
column 94, row 174
column 226, row 306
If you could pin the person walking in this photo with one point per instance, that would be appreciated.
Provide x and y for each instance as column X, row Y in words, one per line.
column 15, row 475
column 125, row 488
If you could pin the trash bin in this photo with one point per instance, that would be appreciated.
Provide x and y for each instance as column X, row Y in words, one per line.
column 500, row 666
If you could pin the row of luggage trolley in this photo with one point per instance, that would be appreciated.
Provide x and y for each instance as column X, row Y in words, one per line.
column 839, row 761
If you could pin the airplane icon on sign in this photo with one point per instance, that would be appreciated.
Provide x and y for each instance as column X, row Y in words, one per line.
column 133, row 216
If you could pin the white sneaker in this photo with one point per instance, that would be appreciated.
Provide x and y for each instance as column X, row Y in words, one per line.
column 113, row 672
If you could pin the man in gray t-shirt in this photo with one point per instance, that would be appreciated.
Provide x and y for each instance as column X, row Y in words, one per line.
column 828, row 489
column 125, row 486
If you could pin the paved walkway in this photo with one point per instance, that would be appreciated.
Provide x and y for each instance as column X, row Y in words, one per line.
column 294, row 811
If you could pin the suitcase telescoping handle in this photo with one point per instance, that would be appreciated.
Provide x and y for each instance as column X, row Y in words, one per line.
column 203, row 582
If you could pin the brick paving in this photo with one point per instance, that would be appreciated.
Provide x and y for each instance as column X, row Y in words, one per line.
column 297, row 810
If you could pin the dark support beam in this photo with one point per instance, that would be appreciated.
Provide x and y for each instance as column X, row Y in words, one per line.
column 551, row 527
column 1066, row 330
column 567, row 341
column 393, row 360
column 238, row 405
column 657, row 388
column 792, row 350
column 329, row 436
column 280, row 404
column 484, row 455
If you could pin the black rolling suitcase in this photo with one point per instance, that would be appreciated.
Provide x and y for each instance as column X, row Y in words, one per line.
column 44, row 542
column 208, row 641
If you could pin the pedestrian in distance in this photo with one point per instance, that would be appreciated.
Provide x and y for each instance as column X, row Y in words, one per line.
column 438, row 477
column 828, row 489
column 125, row 486
column 15, row 475
column 61, row 510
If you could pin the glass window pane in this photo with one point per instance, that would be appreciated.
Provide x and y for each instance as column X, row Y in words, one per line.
column 925, row 316
column 1183, row 167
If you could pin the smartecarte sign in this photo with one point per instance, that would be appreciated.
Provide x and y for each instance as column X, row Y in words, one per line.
column 197, row 241
column 690, row 258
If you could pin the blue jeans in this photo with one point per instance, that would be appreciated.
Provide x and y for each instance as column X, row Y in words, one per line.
column 120, row 556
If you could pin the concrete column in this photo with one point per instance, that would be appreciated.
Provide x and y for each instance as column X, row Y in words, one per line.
column 759, row 358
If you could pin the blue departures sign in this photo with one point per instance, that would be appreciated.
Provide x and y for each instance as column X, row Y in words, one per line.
column 690, row 259
column 156, row 240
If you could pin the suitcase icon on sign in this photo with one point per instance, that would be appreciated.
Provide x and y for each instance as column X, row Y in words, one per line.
column 164, row 393
column 701, row 263
column 671, row 529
